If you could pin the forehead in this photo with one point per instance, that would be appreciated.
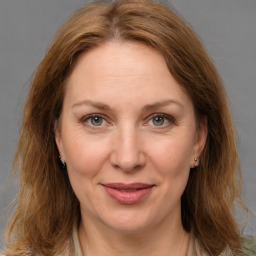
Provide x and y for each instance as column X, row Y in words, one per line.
column 123, row 70
column 120, row 59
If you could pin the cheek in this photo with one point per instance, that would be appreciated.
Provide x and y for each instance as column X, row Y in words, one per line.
column 85, row 159
column 172, row 156
column 171, row 160
column 84, row 155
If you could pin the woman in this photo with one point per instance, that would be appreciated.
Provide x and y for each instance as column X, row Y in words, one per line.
column 127, row 144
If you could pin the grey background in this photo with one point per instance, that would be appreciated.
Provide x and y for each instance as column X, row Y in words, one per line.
column 226, row 27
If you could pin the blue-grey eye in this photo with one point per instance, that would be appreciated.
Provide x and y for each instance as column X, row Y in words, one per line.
column 96, row 120
column 158, row 120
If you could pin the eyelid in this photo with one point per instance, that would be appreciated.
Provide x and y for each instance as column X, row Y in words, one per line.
column 170, row 118
column 84, row 118
column 87, row 117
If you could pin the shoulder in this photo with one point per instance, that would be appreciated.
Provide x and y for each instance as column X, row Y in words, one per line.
column 249, row 246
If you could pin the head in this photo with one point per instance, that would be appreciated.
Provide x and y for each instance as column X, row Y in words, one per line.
column 144, row 27
column 126, row 120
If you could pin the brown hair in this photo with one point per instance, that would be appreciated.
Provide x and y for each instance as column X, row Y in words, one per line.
column 46, row 207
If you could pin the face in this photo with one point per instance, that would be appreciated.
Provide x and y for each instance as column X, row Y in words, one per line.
column 128, row 135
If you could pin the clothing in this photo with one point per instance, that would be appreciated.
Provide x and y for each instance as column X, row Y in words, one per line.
column 194, row 249
column 76, row 243
column 249, row 246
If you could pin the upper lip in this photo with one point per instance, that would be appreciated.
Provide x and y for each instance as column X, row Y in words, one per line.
column 128, row 186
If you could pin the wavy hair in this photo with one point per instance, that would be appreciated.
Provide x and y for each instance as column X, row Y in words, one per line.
column 47, row 208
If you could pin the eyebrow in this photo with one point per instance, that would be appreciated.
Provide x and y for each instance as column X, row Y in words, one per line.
column 148, row 107
column 98, row 105
column 162, row 104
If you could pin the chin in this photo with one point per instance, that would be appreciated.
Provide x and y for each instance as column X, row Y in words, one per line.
column 129, row 222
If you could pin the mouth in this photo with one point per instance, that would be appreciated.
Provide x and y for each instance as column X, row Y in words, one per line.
column 128, row 193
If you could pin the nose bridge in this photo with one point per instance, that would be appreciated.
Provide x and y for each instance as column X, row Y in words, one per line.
column 127, row 153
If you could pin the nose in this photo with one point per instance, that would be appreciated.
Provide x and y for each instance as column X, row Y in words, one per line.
column 127, row 154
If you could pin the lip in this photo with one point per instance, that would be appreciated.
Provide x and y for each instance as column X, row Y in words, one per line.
column 128, row 193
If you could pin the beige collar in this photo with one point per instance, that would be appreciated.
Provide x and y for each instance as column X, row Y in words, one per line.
column 76, row 244
column 191, row 246
column 194, row 248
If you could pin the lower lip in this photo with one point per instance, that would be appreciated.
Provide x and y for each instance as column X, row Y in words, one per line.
column 128, row 197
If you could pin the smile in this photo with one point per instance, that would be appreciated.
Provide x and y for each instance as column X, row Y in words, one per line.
column 128, row 193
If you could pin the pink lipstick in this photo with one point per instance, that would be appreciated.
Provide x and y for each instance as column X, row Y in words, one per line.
column 128, row 193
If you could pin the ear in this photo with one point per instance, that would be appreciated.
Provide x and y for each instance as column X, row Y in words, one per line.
column 200, row 140
column 58, row 139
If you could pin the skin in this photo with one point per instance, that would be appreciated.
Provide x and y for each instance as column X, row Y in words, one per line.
column 129, row 85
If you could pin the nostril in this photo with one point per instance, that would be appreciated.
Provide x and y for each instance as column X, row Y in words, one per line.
column 128, row 166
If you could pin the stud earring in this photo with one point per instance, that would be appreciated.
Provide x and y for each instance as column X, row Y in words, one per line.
column 63, row 163
column 197, row 162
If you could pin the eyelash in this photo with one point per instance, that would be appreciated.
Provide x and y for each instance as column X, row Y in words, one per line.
column 88, row 117
column 170, row 120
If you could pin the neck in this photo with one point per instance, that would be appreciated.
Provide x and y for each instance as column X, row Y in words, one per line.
column 164, row 240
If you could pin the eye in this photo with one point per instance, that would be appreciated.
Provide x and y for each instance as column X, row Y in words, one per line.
column 95, row 120
column 161, row 120
column 158, row 120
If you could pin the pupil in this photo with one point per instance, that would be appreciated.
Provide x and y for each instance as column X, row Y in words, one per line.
column 158, row 120
column 97, row 121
